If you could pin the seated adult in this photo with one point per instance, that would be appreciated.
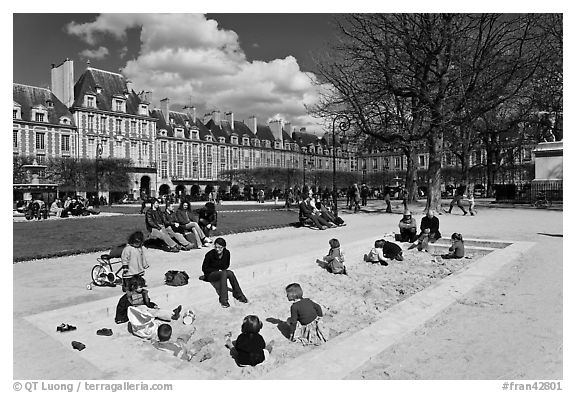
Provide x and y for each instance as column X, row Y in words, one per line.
column 216, row 269
column 430, row 231
column 407, row 227
column 185, row 218
column 56, row 208
column 327, row 214
column 173, row 228
column 76, row 208
column 207, row 218
column 307, row 211
column 155, row 225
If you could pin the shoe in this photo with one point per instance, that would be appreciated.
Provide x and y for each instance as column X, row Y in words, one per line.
column 176, row 314
column 104, row 332
column 120, row 321
column 225, row 304
column 242, row 299
column 323, row 227
column 173, row 249
column 188, row 247
column 65, row 328
column 206, row 244
column 465, row 213
column 208, row 240
column 78, row 345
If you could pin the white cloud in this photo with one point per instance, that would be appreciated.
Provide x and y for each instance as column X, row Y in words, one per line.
column 187, row 55
column 98, row 54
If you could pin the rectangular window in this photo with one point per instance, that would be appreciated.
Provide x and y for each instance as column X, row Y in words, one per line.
column 40, row 140
column 179, row 169
column 209, row 152
column 90, row 101
column 15, row 139
column 449, row 159
column 195, row 169
column 375, row 163
column 222, row 167
column 144, row 128
column 133, row 150
column 386, row 163
column 119, row 150
column 478, row 157
column 40, row 158
column 422, row 160
column 396, row 162
column 209, row 169
column 65, row 143
column 164, row 170
column 118, row 106
column 15, row 114
column 39, row 117
column 133, row 127
column 103, row 123
column 90, row 122
column 179, row 146
column 119, row 126
column 163, row 146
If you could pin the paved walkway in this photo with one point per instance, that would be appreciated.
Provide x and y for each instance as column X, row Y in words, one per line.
column 42, row 286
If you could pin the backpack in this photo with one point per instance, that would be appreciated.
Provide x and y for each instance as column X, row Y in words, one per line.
column 176, row 278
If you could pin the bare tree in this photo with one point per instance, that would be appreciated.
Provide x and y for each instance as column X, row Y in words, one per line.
column 408, row 77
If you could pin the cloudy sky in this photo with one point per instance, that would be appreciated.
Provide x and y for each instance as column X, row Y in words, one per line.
column 250, row 64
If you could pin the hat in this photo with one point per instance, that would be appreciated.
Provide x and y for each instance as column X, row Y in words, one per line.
column 407, row 212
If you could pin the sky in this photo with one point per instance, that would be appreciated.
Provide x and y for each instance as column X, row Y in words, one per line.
column 250, row 64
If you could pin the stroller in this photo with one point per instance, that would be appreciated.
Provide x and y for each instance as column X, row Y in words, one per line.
column 103, row 273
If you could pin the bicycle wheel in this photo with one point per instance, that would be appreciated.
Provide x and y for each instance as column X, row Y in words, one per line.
column 100, row 275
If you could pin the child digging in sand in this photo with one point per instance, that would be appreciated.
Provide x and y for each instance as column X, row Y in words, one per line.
column 457, row 247
column 177, row 348
column 305, row 317
column 335, row 258
column 250, row 349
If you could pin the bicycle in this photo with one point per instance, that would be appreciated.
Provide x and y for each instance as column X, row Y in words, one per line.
column 103, row 273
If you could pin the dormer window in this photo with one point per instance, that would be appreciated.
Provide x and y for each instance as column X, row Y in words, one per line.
column 221, row 140
column 119, row 105
column 65, row 121
column 143, row 109
column 195, row 134
column 267, row 143
column 257, row 142
column 90, row 101
column 17, row 112
column 234, row 140
column 246, row 141
column 208, row 138
column 179, row 133
column 276, row 145
column 49, row 103
column 98, row 89
column 39, row 114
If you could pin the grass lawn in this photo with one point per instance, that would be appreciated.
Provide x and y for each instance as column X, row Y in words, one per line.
column 58, row 237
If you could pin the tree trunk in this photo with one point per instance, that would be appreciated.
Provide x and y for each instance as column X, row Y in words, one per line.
column 411, row 174
column 465, row 177
column 434, row 200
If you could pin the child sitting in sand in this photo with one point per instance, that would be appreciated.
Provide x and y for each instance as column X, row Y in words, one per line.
column 376, row 254
column 392, row 250
column 136, row 297
column 177, row 348
column 335, row 258
column 133, row 258
column 305, row 317
column 457, row 247
column 249, row 349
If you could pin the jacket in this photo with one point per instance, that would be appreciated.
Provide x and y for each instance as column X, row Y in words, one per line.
column 183, row 217
column 212, row 263
column 210, row 216
column 154, row 219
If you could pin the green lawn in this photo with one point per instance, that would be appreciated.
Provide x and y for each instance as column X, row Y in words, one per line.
column 54, row 237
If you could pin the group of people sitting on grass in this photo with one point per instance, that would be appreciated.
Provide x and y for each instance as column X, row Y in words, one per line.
column 178, row 229
column 314, row 213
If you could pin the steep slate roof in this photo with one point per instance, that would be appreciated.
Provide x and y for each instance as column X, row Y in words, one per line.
column 217, row 131
column 286, row 137
column 29, row 96
column 306, row 138
column 179, row 121
column 263, row 132
column 111, row 84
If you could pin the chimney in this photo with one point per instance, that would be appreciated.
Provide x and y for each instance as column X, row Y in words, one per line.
column 230, row 119
column 207, row 118
column 216, row 116
column 253, row 124
column 62, row 78
column 276, row 128
column 164, row 107
column 191, row 111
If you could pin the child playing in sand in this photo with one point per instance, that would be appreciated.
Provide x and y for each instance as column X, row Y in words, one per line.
column 178, row 348
column 133, row 258
column 391, row 250
column 457, row 247
column 136, row 297
column 335, row 258
column 249, row 349
column 376, row 254
column 305, row 317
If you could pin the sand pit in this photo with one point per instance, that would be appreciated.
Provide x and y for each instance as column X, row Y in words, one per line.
column 349, row 302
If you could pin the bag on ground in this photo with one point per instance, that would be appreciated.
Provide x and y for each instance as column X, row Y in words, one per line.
column 142, row 323
column 176, row 278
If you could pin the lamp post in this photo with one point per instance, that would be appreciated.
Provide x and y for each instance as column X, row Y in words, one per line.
column 343, row 125
column 98, row 156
